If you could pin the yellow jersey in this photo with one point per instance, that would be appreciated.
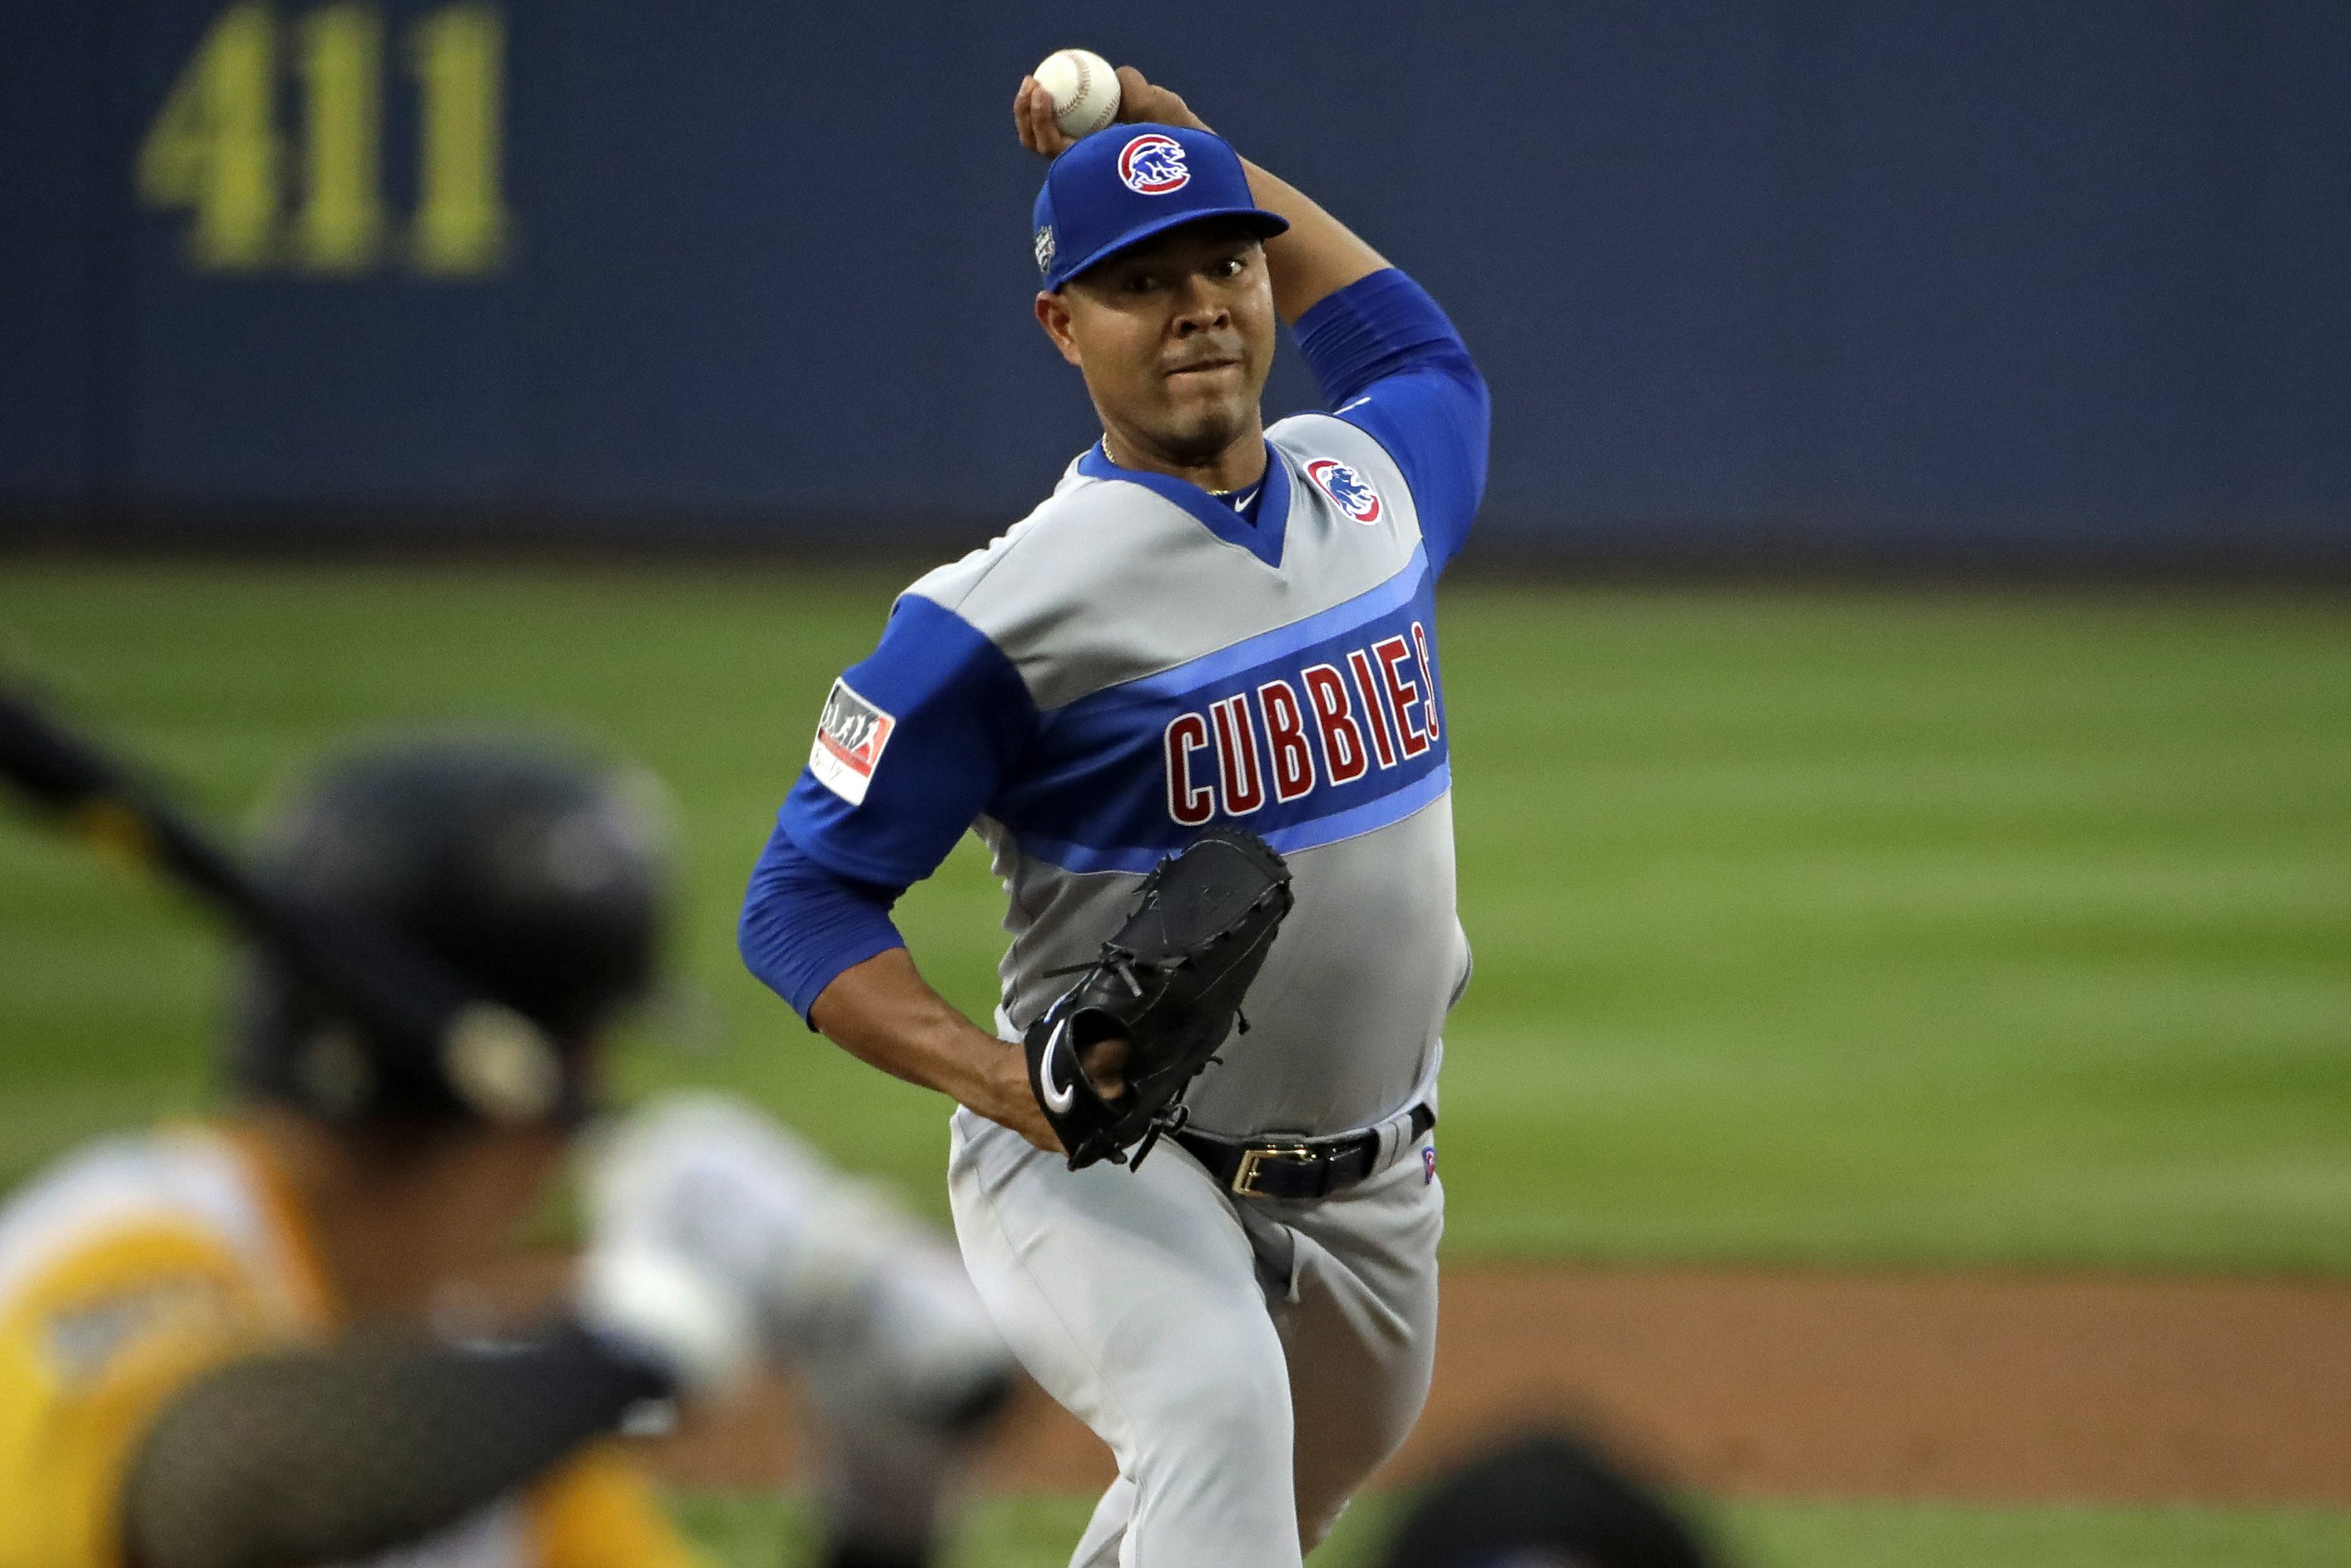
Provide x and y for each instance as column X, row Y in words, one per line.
column 144, row 1260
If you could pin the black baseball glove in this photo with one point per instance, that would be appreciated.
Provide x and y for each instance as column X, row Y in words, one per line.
column 1169, row 984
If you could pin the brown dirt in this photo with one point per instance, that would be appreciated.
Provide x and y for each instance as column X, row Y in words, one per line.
column 1985, row 1387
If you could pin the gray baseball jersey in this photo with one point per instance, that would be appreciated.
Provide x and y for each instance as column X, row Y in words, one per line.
column 1136, row 659
column 1298, row 701
column 1133, row 661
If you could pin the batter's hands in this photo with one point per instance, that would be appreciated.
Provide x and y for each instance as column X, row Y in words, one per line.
column 675, row 1304
column 1138, row 101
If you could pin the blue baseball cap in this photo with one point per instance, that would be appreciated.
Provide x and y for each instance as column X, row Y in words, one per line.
column 1120, row 186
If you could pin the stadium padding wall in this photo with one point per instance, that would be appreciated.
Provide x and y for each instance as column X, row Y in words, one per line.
column 1993, row 279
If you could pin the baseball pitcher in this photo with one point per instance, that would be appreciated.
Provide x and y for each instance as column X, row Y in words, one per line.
column 1192, row 704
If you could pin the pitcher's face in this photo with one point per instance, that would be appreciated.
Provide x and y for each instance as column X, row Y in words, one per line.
column 1175, row 339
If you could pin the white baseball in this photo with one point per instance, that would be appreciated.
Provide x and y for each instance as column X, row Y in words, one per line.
column 1083, row 87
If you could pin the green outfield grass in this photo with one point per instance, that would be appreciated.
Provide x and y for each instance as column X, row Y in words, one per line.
column 1038, row 1533
column 1850, row 925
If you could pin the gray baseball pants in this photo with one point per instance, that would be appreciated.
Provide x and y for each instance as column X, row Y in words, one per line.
column 1249, row 1362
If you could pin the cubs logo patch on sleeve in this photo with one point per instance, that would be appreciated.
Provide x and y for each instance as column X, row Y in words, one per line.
column 1349, row 491
column 848, row 741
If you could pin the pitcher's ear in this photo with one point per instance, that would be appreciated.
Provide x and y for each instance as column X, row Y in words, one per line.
column 1053, row 315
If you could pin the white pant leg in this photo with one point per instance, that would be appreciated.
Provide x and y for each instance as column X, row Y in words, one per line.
column 1134, row 1299
column 873, row 1309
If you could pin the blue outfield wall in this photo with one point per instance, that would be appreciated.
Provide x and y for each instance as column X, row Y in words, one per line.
column 2008, row 278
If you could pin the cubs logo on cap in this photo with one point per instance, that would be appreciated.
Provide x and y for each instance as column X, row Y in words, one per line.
column 1349, row 491
column 1153, row 164
column 1125, row 183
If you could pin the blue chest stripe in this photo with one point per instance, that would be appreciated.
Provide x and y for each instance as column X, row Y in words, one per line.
column 1266, row 647
column 1326, row 728
column 1352, row 823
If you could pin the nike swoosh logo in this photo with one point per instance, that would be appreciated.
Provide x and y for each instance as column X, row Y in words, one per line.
column 1058, row 1099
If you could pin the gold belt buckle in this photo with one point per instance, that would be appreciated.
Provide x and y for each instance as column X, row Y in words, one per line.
column 1244, row 1178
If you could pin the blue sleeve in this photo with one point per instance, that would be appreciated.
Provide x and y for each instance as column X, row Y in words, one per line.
column 1392, row 365
column 912, row 745
column 803, row 925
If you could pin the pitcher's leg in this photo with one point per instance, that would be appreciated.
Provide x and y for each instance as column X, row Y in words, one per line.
column 1132, row 1298
column 1358, row 1324
column 1098, row 1547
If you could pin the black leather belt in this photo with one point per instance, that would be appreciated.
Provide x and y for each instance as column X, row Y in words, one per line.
column 1294, row 1167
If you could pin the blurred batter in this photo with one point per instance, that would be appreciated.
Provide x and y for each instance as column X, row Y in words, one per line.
column 216, row 1345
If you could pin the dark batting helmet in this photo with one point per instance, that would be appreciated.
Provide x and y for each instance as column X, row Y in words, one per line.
column 1546, row 1499
column 528, row 872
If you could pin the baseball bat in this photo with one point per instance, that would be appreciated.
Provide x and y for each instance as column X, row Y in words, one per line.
column 497, row 1062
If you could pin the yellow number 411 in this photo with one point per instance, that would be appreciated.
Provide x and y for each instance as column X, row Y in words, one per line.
column 214, row 148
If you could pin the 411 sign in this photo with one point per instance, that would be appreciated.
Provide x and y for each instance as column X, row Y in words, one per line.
column 258, row 200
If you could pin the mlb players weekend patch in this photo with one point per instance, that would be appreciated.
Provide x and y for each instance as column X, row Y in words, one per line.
column 848, row 741
column 1153, row 165
column 1349, row 491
